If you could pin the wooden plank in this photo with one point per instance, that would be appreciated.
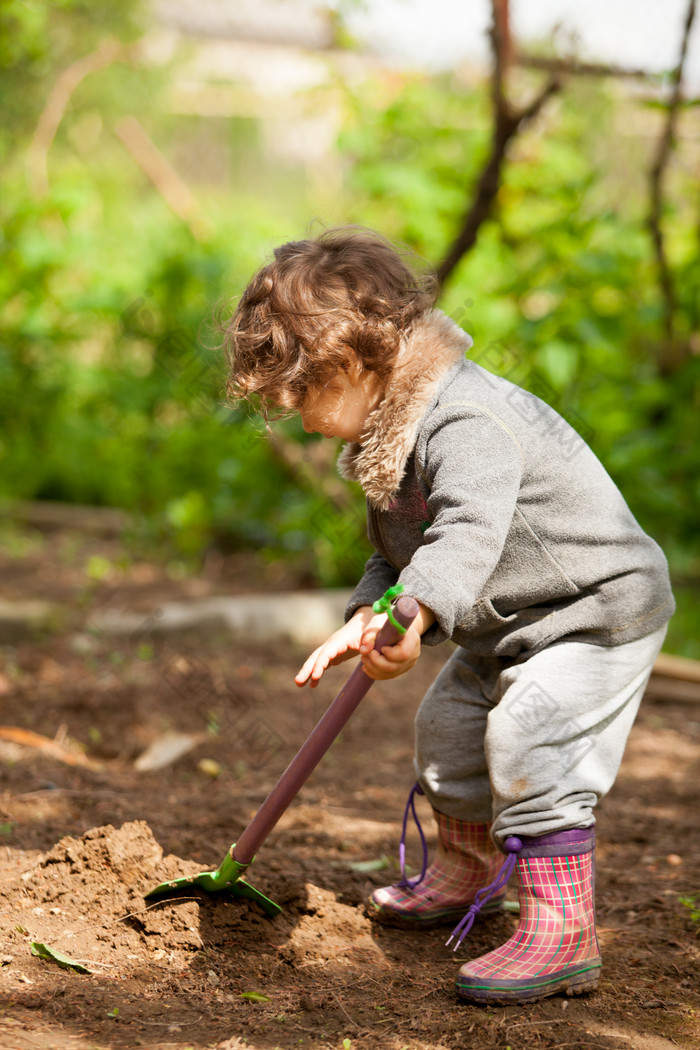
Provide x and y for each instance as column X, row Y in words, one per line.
column 661, row 688
column 46, row 514
column 677, row 667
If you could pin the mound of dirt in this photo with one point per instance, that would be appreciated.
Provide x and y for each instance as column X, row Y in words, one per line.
column 85, row 898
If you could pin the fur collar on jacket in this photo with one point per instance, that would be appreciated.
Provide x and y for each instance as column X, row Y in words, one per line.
column 433, row 345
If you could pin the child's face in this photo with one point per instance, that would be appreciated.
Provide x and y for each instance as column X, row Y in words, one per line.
column 340, row 408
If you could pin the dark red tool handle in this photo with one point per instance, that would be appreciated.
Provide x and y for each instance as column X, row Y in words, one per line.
column 320, row 739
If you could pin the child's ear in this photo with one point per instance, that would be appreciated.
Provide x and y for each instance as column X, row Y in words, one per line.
column 352, row 365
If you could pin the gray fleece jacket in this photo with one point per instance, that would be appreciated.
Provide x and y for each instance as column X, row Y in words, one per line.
column 492, row 511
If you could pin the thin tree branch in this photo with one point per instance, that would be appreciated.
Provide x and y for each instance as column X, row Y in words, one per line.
column 528, row 113
column 502, row 48
column 160, row 172
column 507, row 122
column 57, row 103
column 572, row 67
column 656, row 185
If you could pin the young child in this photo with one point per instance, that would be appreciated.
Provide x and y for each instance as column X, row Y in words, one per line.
column 500, row 521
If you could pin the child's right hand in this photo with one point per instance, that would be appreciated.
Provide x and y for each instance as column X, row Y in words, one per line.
column 342, row 645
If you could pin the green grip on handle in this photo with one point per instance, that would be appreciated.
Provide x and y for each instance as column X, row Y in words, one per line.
column 383, row 605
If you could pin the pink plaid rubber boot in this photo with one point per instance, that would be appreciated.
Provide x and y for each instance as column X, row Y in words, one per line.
column 465, row 859
column 555, row 948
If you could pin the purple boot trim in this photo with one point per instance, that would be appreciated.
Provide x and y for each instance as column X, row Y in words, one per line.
column 556, row 844
column 406, row 883
column 559, row 843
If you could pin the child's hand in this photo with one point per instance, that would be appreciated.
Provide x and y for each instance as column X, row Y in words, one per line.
column 393, row 660
column 342, row 645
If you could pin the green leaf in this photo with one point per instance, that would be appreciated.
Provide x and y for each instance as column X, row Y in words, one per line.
column 255, row 997
column 379, row 864
column 559, row 362
column 45, row 952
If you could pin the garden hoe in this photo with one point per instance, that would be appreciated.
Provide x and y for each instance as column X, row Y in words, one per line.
column 228, row 876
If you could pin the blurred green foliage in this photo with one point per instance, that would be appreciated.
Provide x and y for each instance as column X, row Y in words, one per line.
column 111, row 376
column 38, row 40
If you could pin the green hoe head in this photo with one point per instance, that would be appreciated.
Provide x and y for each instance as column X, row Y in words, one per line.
column 227, row 878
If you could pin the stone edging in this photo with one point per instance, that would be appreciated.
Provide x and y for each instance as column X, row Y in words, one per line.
column 304, row 617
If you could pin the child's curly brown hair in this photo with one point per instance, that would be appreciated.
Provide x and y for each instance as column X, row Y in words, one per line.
column 347, row 289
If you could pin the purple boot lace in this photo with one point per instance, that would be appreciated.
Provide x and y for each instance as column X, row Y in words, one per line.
column 406, row 883
column 511, row 845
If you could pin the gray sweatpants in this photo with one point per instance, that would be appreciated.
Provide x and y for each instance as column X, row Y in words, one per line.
column 531, row 746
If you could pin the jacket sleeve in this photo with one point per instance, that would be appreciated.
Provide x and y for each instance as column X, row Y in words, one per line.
column 377, row 577
column 472, row 467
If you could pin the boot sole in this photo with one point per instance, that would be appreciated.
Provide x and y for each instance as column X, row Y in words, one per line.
column 574, row 981
column 411, row 921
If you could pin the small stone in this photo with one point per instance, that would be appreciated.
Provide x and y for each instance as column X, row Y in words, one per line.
column 213, row 978
column 209, row 767
column 674, row 859
column 83, row 643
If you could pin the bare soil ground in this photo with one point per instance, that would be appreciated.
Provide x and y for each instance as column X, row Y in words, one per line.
column 81, row 844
